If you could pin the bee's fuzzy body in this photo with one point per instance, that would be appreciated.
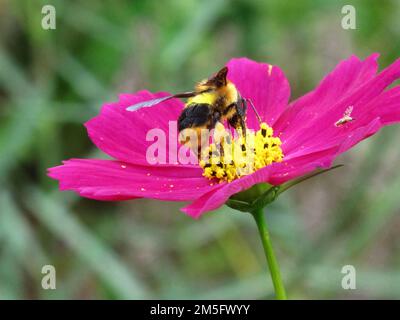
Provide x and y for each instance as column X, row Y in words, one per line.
column 216, row 100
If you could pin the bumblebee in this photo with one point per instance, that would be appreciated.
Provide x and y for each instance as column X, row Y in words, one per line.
column 213, row 100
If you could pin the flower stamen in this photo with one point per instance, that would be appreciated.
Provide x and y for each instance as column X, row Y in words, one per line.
column 233, row 157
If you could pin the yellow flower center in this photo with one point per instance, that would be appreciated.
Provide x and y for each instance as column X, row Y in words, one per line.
column 230, row 158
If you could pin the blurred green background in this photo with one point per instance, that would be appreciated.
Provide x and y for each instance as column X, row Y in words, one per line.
column 52, row 81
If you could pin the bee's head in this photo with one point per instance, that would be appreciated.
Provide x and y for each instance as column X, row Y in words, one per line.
column 216, row 81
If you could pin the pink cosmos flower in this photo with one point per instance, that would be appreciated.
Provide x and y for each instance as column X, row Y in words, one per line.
column 350, row 104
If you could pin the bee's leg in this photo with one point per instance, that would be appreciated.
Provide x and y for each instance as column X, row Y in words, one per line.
column 214, row 121
column 242, row 110
column 243, row 126
column 220, row 147
column 238, row 119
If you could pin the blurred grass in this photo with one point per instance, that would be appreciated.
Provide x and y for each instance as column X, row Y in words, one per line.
column 53, row 81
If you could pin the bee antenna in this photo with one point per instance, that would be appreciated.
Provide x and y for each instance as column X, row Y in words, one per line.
column 254, row 109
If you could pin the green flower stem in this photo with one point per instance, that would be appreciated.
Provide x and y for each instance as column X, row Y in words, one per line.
column 270, row 255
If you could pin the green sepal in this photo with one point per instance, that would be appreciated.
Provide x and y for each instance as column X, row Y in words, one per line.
column 266, row 198
column 262, row 194
column 254, row 198
column 239, row 205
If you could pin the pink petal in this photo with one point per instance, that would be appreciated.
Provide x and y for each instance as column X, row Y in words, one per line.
column 122, row 134
column 390, row 102
column 264, row 84
column 275, row 174
column 368, row 102
column 348, row 75
column 359, row 134
column 386, row 107
column 115, row 180
column 381, row 111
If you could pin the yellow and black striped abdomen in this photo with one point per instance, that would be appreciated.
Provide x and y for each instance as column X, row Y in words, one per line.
column 195, row 115
column 198, row 111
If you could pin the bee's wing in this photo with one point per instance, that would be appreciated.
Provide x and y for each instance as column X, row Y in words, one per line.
column 148, row 103
column 153, row 102
column 348, row 111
